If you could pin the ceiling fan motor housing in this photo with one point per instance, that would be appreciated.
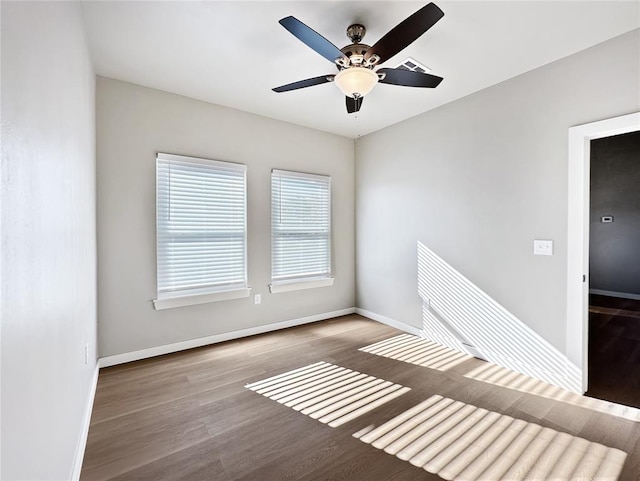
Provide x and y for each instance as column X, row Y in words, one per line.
column 354, row 53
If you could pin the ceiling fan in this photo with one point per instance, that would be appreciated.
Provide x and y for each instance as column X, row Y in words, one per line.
column 357, row 62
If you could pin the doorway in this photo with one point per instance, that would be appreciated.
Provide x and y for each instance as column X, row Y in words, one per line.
column 578, row 233
column 614, row 269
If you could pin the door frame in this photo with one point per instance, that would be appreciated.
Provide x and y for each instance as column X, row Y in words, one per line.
column 578, row 231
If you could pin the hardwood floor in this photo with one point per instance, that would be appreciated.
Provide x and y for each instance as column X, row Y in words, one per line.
column 614, row 349
column 189, row 416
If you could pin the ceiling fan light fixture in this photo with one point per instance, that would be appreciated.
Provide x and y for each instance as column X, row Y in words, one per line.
column 356, row 81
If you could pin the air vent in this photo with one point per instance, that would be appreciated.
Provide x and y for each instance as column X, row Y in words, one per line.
column 414, row 66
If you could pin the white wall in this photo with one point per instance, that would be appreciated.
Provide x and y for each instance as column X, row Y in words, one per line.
column 133, row 123
column 48, row 273
column 478, row 180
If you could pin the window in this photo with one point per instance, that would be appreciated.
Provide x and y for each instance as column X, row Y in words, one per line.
column 300, row 231
column 201, row 230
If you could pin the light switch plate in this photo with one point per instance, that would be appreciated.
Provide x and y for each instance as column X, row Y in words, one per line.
column 543, row 247
column 257, row 298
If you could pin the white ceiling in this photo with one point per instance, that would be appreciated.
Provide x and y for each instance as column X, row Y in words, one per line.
column 233, row 53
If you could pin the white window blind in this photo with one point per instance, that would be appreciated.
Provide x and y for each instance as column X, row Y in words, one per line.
column 300, row 226
column 201, row 225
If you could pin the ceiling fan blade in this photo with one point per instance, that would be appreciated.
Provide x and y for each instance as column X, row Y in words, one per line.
column 353, row 105
column 311, row 38
column 300, row 84
column 407, row 78
column 405, row 33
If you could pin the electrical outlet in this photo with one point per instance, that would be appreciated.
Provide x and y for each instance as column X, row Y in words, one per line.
column 543, row 247
column 257, row 299
column 86, row 353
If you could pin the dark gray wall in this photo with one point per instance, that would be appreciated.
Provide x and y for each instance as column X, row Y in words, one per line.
column 614, row 255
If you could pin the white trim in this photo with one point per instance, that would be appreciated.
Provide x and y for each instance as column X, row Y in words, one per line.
column 84, row 432
column 299, row 284
column 226, row 336
column 621, row 295
column 191, row 300
column 302, row 175
column 200, row 160
column 389, row 322
column 578, row 230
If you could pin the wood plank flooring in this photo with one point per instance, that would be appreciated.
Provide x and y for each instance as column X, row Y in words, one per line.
column 189, row 416
column 614, row 349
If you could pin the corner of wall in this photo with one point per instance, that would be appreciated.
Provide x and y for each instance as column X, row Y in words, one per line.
column 86, row 423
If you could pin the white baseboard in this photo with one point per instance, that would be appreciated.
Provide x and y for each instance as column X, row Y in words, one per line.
column 388, row 321
column 84, row 433
column 226, row 336
column 623, row 295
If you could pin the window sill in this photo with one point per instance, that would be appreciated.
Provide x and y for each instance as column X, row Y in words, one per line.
column 299, row 284
column 193, row 299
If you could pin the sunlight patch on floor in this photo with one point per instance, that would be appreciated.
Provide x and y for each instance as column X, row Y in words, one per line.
column 500, row 376
column 331, row 394
column 461, row 442
column 419, row 351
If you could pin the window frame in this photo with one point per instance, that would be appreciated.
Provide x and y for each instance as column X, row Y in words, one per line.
column 299, row 282
column 184, row 297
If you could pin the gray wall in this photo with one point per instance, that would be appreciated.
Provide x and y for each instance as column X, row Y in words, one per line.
column 48, row 294
column 614, row 248
column 133, row 123
column 478, row 180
